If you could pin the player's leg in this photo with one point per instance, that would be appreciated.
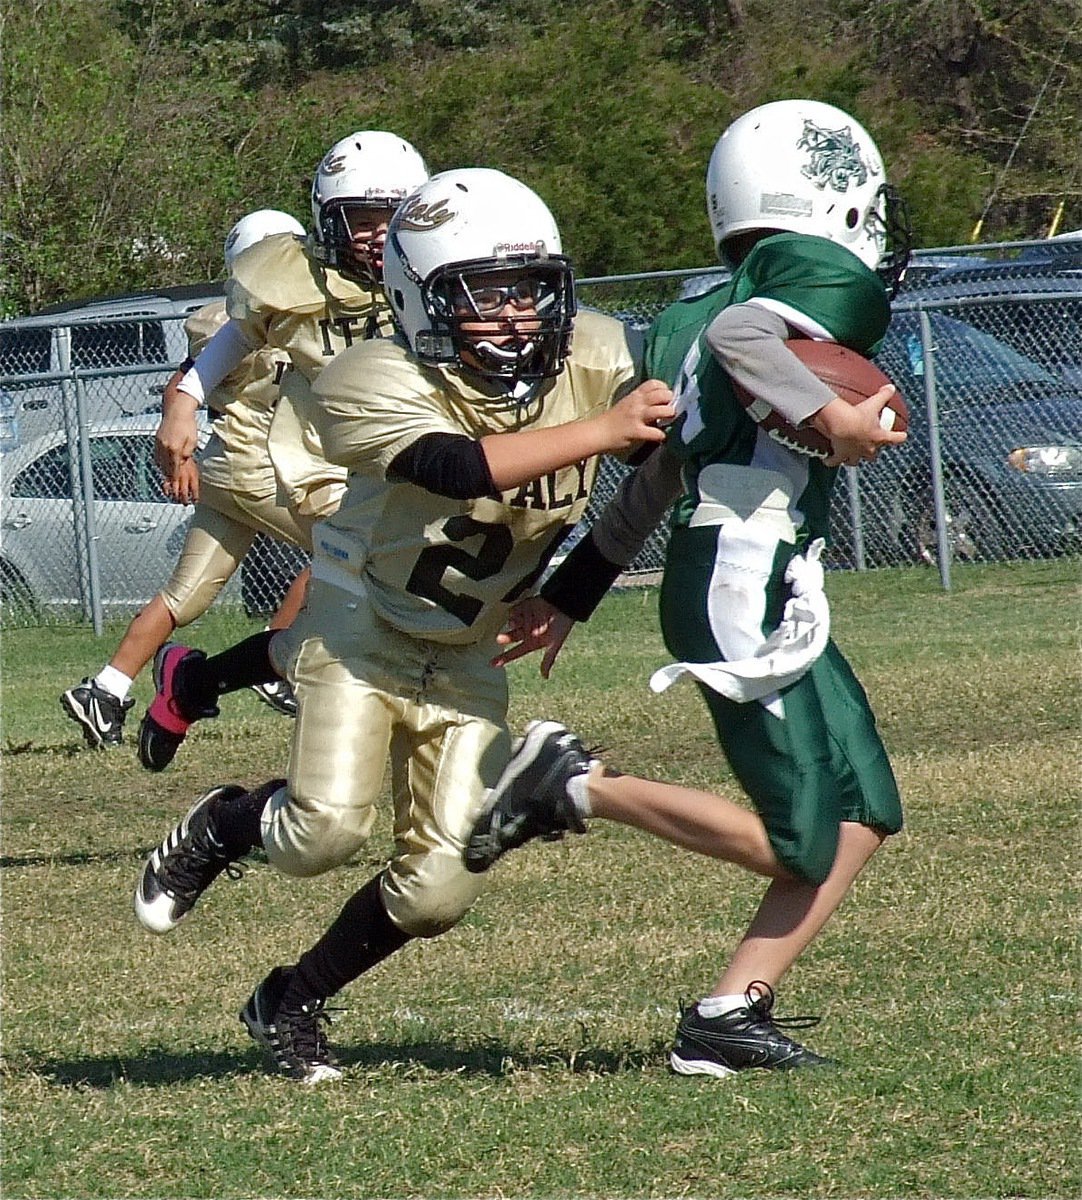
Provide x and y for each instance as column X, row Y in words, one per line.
column 315, row 819
column 278, row 693
column 187, row 687
column 292, row 601
column 441, row 757
column 214, row 546
column 793, row 912
column 820, row 778
column 553, row 784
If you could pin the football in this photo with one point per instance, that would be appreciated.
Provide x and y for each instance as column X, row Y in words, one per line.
column 848, row 374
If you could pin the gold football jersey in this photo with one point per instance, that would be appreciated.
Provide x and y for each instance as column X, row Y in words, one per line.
column 287, row 300
column 242, row 406
column 432, row 566
column 284, row 298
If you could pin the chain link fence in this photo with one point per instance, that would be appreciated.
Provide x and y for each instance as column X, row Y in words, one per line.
column 985, row 345
column 86, row 530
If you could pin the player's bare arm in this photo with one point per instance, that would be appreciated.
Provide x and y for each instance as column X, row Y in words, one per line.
column 516, row 458
column 854, row 430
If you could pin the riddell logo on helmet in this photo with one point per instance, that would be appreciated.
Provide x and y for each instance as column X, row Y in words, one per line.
column 418, row 215
column 502, row 248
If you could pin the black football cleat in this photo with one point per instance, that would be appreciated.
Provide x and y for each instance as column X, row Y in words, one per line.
column 741, row 1040
column 294, row 1039
column 531, row 797
column 99, row 713
column 277, row 695
column 181, row 869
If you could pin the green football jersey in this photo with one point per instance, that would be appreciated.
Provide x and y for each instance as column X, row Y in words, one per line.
column 818, row 287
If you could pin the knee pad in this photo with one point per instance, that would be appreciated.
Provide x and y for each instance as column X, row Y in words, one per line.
column 306, row 841
column 428, row 894
column 194, row 603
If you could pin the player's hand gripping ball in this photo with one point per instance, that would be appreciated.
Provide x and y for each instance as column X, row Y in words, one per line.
column 848, row 374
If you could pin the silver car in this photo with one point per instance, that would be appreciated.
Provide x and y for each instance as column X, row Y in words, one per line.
column 139, row 533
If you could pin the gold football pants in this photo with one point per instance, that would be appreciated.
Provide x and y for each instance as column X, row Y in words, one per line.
column 368, row 694
column 221, row 533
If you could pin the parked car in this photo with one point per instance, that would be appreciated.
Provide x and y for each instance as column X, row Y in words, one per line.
column 9, row 421
column 139, row 532
column 124, row 348
column 1011, row 447
column 1039, row 315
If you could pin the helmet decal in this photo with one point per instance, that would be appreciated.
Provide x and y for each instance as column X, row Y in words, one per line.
column 504, row 248
column 333, row 164
column 420, row 216
column 834, row 158
column 802, row 166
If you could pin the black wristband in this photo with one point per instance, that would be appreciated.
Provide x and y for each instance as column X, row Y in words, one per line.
column 579, row 583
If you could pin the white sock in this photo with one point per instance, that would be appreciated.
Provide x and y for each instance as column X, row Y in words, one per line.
column 115, row 682
column 578, row 788
column 718, row 1006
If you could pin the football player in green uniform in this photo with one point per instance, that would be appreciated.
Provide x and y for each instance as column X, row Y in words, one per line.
column 233, row 489
column 800, row 208
column 472, row 442
column 305, row 300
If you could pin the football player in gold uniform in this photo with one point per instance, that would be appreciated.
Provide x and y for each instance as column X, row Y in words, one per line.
column 234, row 490
column 472, row 443
column 305, row 300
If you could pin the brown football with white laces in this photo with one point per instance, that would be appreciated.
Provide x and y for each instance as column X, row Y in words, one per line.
column 849, row 375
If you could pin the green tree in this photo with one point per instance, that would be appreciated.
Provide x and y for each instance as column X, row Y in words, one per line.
column 137, row 131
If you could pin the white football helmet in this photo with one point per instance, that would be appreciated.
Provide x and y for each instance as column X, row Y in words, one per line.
column 254, row 228
column 370, row 168
column 807, row 167
column 462, row 248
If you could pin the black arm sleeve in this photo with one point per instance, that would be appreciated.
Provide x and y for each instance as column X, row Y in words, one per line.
column 579, row 583
column 449, row 464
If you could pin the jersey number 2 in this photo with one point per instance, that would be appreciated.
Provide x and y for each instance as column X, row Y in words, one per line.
column 497, row 542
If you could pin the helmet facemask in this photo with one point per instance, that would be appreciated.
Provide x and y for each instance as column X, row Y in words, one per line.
column 341, row 220
column 894, row 233
column 505, row 319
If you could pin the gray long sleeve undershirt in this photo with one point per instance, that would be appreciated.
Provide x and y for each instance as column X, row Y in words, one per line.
column 640, row 501
column 748, row 340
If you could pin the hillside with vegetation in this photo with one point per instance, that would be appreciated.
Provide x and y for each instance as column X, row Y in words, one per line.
column 137, row 131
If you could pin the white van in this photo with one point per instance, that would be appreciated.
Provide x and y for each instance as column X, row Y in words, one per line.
column 117, row 350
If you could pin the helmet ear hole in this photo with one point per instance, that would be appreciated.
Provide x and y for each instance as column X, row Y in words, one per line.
column 852, row 219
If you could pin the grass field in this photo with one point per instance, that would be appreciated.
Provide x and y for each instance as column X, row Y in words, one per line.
column 525, row 1053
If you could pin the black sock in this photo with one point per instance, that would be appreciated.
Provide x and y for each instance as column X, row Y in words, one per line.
column 200, row 681
column 361, row 936
column 237, row 821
